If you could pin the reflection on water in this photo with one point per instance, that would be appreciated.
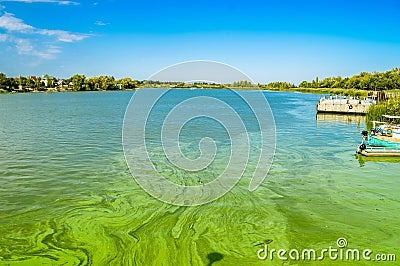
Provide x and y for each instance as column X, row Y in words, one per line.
column 67, row 198
column 363, row 160
column 348, row 119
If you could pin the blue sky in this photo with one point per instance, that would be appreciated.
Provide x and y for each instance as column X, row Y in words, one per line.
column 269, row 40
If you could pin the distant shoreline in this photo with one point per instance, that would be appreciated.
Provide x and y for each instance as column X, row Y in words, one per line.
column 357, row 85
column 334, row 91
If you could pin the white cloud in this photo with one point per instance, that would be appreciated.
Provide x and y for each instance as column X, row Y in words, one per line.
column 25, row 47
column 61, row 2
column 3, row 37
column 11, row 23
column 27, row 38
column 101, row 23
column 49, row 53
column 64, row 36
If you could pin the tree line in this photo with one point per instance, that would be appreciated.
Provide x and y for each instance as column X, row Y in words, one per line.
column 77, row 82
column 378, row 81
column 388, row 80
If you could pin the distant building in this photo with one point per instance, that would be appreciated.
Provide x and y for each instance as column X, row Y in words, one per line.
column 44, row 80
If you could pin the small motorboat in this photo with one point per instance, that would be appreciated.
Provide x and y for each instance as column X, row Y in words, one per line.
column 372, row 151
column 382, row 141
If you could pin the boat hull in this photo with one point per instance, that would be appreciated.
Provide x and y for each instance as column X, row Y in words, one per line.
column 378, row 141
column 379, row 153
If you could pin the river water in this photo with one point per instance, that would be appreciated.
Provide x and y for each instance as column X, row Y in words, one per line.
column 67, row 196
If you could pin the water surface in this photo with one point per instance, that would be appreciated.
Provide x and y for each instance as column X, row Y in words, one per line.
column 67, row 196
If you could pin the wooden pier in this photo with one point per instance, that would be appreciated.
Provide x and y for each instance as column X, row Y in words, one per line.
column 343, row 105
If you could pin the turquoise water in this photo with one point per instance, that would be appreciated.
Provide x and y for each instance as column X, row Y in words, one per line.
column 67, row 196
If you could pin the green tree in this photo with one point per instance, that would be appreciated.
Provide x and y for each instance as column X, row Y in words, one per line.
column 78, row 82
column 7, row 83
column 107, row 83
column 93, row 83
column 128, row 83
column 3, row 80
column 243, row 84
column 305, row 84
column 30, row 83
column 279, row 85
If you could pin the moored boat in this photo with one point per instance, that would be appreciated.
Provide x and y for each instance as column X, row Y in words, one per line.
column 382, row 141
column 378, row 151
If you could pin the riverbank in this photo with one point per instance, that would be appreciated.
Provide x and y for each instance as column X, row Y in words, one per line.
column 334, row 91
column 389, row 107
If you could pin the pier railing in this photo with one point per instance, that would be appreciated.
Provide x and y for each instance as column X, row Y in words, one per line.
column 392, row 94
column 344, row 105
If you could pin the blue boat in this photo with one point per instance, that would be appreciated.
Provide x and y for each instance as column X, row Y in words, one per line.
column 383, row 141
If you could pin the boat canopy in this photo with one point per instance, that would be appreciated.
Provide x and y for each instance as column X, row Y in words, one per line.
column 391, row 116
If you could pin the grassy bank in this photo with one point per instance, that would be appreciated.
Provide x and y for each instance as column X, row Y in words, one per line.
column 336, row 91
column 389, row 107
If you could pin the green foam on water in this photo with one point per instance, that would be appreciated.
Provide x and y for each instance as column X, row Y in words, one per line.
column 67, row 196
